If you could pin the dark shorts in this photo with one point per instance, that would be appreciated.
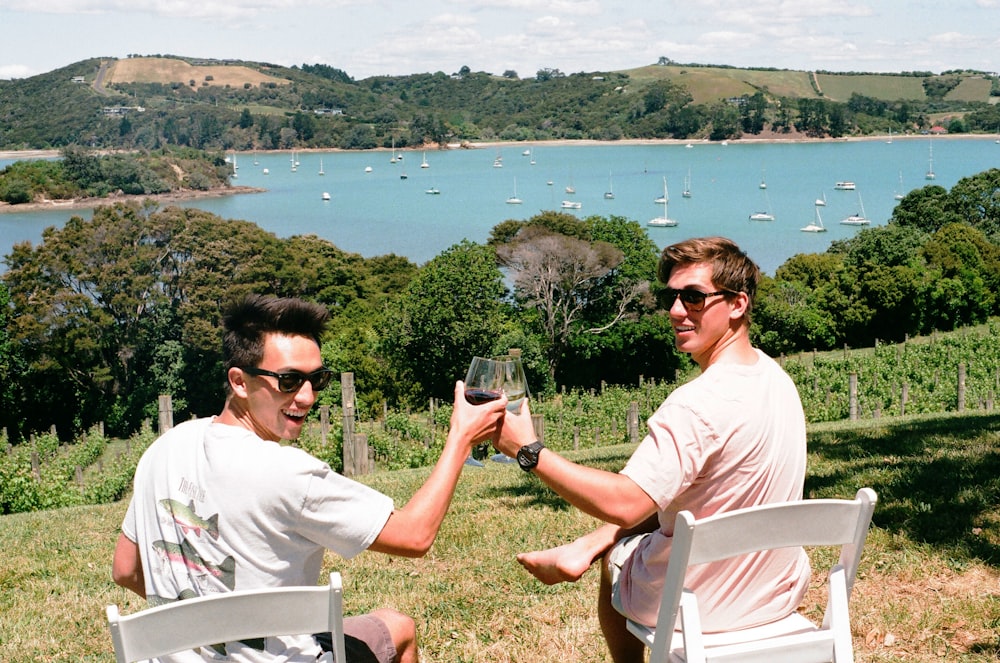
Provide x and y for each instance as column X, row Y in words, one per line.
column 366, row 639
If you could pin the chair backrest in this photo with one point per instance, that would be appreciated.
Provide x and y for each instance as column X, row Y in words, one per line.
column 229, row 617
column 816, row 522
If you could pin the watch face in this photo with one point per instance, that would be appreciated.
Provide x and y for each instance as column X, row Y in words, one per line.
column 527, row 457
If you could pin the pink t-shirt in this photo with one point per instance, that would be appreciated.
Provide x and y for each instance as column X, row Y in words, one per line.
column 731, row 438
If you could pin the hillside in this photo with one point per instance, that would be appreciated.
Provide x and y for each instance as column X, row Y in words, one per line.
column 166, row 71
column 144, row 102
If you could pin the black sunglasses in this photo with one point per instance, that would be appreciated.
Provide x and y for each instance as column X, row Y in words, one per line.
column 693, row 300
column 290, row 382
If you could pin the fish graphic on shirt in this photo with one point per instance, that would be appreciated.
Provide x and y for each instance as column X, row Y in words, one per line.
column 184, row 553
column 189, row 520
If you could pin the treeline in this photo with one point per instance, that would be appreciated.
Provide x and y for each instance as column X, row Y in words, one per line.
column 322, row 107
column 81, row 173
column 104, row 315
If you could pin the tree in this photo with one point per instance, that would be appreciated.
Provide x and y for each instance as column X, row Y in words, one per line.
column 976, row 201
column 10, row 370
column 246, row 119
column 111, row 312
column 786, row 320
column 962, row 253
column 451, row 311
column 925, row 209
column 561, row 276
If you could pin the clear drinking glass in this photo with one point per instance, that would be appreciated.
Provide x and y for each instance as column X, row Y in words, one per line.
column 488, row 378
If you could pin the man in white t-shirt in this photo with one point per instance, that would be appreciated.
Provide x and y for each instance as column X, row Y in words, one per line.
column 220, row 505
column 733, row 437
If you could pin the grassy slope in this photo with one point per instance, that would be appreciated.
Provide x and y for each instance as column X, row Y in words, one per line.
column 706, row 84
column 889, row 88
column 926, row 590
column 171, row 70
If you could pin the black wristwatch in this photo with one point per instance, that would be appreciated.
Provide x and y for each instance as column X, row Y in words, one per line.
column 527, row 456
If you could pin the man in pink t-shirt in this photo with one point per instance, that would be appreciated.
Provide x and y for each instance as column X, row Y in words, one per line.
column 731, row 438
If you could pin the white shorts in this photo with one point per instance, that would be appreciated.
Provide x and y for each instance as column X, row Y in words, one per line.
column 617, row 556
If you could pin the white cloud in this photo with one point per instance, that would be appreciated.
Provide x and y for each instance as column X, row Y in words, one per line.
column 8, row 71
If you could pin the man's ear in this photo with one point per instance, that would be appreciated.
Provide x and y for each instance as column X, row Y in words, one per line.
column 237, row 382
column 741, row 302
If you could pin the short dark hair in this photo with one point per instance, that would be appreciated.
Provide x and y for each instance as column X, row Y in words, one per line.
column 246, row 322
column 732, row 269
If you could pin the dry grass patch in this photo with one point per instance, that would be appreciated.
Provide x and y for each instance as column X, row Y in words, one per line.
column 170, row 70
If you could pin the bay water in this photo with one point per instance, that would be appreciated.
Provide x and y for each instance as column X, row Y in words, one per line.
column 372, row 210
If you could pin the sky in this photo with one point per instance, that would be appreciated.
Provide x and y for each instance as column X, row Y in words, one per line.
column 398, row 37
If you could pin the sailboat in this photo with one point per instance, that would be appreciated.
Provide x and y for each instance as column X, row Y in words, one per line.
column 899, row 193
column 816, row 226
column 687, row 185
column 514, row 200
column 821, row 201
column 393, row 159
column 763, row 216
column 930, row 162
column 889, row 142
column 321, row 167
column 665, row 220
column 610, row 193
column 235, row 167
column 763, row 182
column 858, row 219
column 424, row 164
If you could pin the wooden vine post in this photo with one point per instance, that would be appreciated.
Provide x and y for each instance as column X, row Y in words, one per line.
column 355, row 450
column 165, row 412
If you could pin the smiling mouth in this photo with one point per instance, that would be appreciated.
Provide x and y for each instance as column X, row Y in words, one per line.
column 295, row 416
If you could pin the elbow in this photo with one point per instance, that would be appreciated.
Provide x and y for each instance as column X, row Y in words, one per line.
column 420, row 546
column 624, row 517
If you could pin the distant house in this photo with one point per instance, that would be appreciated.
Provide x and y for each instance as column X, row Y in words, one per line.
column 328, row 111
column 122, row 110
column 938, row 129
column 78, row 79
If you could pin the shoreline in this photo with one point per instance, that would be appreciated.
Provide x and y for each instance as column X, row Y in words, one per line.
column 766, row 137
column 92, row 203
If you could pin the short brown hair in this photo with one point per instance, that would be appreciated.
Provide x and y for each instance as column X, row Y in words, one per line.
column 732, row 269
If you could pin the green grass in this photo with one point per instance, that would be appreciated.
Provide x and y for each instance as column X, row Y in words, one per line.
column 972, row 88
column 927, row 588
column 841, row 87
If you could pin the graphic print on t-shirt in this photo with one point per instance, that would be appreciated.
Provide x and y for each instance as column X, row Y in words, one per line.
column 189, row 521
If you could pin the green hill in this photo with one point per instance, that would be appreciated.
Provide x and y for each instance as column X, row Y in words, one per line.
column 145, row 102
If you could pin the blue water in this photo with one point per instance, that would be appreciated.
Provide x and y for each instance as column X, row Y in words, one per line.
column 377, row 213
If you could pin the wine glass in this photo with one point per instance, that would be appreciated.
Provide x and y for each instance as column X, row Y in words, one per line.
column 483, row 381
column 488, row 378
column 515, row 386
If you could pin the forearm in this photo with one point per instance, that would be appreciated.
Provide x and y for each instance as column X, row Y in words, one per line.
column 412, row 529
column 609, row 496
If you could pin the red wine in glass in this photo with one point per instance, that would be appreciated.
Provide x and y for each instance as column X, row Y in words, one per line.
column 480, row 396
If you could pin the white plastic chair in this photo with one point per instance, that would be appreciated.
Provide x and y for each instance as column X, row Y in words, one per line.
column 794, row 639
column 229, row 617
